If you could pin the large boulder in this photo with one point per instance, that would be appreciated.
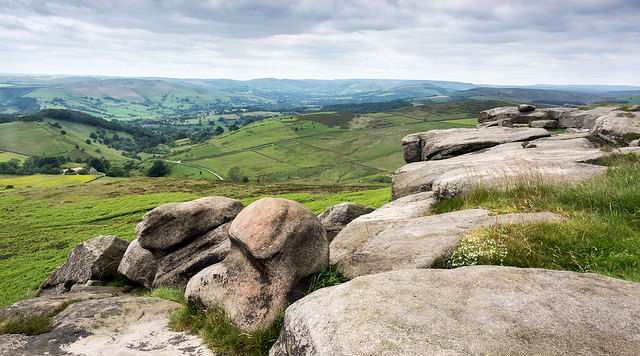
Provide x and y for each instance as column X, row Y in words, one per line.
column 106, row 325
column 334, row 218
column 421, row 242
column 582, row 119
column 170, row 225
column 545, row 160
column 275, row 243
column 94, row 259
column 617, row 127
column 480, row 310
column 441, row 144
column 566, row 117
column 177, row 240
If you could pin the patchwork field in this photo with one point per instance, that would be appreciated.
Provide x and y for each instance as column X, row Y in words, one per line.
column 327, row 147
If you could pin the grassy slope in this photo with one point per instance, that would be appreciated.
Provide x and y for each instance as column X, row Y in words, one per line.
column 40, row 138
column 327, row 147
column 38, row 227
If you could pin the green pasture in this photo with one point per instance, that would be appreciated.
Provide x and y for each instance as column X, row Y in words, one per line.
column 6, row 156
column 43, row 180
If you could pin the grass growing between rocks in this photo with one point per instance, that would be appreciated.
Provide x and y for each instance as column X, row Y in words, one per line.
column 601, row 233
column 32, row 325
column 225, row 338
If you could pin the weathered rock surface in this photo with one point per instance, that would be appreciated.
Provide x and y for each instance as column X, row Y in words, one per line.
column 275, row 243
column 122, row 325
column 170, row 225
column 617, row 126
column 545, row 160
column 526, row 107
column 545, row 124
column 177, row 240
column 361, row 229
column 566, row 116
column 480, row 310
column 336, row 217
column 422, row 242
column 139, row 265
column 441, row 144
column 97, row 258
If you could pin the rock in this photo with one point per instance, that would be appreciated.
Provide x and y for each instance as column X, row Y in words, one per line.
column 634, row 108
column 183, row 239
column 423, row 242
column 617, row 126
column 97, row 258
column 139, row 265
column 361, row 229
column 512, row 113
column 170, row 225
column 123, row 325
column 336, row 217
column 441, row 144
column 634, row 143
column 584, row 119
column 567, row 105
column 545, row 124
column 526, row 107
column 275, row 243
column 479, row 310
column 176, row 269
column 546, row 160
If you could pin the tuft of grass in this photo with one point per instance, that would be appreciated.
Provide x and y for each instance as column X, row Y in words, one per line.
column 328, row 277
column 33, row 325
column 601, row 233
column 176, row 295
column 221, row 335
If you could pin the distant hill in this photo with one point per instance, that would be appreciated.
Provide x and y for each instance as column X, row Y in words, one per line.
column 543, row 96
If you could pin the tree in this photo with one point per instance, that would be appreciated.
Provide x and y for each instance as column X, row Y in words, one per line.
column 233, row 127
column 63, row 132
column 96, row 163
column 159, row 169
column 219, row 130
column 235, row 174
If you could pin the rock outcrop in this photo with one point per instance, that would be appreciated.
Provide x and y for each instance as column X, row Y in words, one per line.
column 565, row 117
column 177, row 240
column 94, row 259
column 275, row 243
column 617, row 127
column 441, row 144
column 421, row 242
column 546, row 160
column 480, row 310
column 103, row 324
column 336, row 217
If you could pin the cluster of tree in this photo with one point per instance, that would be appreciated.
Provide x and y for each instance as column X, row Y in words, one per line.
column 54, row 165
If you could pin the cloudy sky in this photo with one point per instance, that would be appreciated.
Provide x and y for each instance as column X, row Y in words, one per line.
column 488, row 41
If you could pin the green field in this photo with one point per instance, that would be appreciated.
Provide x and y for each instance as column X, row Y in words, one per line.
column 6, row 156
column 43, row 139
column 43, row 180
column 38, row 227
column 326, row 147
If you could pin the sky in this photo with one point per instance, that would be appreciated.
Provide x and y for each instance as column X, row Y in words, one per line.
column 519, row 42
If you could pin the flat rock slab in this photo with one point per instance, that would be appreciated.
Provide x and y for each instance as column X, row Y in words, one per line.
column 480, row 310
column 361, row 229
column 425, row 242
column 545, row 160
column 123, row 325
column 441, row 144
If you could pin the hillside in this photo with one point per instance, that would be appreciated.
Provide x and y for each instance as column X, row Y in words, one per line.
column 324, row 147
column 74, row 135
column 541, row 96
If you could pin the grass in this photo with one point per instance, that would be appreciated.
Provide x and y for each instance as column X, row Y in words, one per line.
column 33, row 325
column 601, row 233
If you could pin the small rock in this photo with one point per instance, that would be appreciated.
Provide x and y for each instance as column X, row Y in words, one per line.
column 526, row 107
column 634, row 108
column 97, row 258
column 336, row 217
column 545, row 124
column 275, row 243
column 634, row 143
